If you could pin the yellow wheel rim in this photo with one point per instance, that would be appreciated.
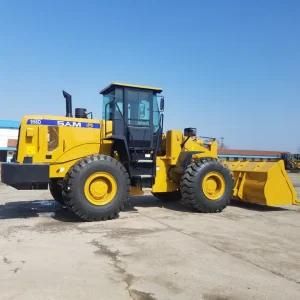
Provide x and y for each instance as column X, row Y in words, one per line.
column 100, row 188
column 213, row 185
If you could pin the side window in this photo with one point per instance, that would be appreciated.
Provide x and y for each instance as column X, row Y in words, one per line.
column 120, row 107
column 119, row 110
column 156, row 114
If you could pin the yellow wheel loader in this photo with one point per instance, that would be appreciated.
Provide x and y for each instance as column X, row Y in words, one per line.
column 92, row 166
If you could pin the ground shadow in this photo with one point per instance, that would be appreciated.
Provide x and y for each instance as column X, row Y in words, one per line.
column 256, row 207
column 151, row 201
column 36, row 208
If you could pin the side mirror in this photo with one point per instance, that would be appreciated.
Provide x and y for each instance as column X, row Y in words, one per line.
column 162, row 104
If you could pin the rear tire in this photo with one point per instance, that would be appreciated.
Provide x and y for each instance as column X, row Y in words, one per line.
column 207, row 186
column 96, row 188
column 56, row 187
column 168, row 196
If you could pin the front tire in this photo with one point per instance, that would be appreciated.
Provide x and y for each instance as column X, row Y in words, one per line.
column 96, row 188
column 207, row 186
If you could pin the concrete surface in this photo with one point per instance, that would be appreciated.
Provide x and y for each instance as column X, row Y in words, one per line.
column 153, row 251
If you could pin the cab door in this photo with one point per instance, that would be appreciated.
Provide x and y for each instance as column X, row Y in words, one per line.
column 139, row 115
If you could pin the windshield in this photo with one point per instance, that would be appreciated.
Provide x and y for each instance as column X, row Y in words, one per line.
column 107, row 106
column 109, row 103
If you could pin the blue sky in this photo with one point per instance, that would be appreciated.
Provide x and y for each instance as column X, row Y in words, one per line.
column 229, row 68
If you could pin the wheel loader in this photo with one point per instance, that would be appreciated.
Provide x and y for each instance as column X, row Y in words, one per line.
column 291, row 161
column 92, row 166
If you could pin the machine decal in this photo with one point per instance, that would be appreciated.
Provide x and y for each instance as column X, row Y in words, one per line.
column 62, row 123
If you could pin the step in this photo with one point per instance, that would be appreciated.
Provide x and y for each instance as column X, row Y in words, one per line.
column 142, row 161
column 143, row 176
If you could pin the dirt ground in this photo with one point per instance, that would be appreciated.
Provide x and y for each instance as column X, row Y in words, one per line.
column 154, row 250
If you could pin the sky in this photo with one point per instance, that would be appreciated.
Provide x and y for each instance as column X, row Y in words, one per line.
column 229, row 68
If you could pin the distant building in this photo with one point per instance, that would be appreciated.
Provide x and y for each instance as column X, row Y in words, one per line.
column 8, row 139
column 237, row 154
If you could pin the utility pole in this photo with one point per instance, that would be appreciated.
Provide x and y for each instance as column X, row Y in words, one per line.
column 222, row 142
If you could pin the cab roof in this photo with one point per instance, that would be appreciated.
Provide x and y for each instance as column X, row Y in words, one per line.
column 113, row 85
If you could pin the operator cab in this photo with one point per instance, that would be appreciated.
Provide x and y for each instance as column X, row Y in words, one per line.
column 137, row 126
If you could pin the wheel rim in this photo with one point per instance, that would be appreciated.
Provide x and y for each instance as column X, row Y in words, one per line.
column 100, row 188
column 213, row 185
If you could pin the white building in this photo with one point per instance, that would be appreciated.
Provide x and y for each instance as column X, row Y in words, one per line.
column 8, row 139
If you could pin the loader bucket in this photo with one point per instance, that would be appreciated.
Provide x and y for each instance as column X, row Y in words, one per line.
column 265, row 183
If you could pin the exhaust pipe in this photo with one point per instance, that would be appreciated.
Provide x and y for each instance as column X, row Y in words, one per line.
column 68, row 98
